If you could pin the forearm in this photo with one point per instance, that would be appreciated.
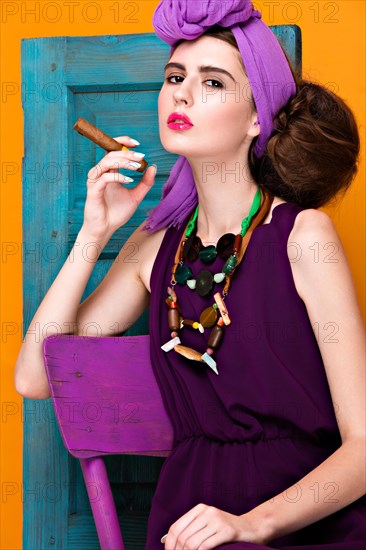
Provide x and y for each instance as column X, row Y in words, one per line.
column 56, row 314
column 335, row 483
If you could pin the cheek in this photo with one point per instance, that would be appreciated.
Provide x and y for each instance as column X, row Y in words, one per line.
column 162, row 106
column 160, row 100
column 163, row 96
column 227, row 117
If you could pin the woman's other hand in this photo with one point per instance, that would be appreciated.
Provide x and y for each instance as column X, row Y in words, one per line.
column 109, row 205
column 206, row 527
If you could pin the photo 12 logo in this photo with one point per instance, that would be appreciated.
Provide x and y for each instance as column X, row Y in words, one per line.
column 71, row 12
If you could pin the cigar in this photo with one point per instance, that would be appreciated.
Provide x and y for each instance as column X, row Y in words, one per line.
column 104, row 141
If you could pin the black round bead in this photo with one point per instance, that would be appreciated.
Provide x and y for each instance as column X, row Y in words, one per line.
column 204, row 282
column 192, row 248
column 225, row 245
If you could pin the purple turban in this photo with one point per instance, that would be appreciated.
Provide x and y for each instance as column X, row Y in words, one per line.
column 268, row 71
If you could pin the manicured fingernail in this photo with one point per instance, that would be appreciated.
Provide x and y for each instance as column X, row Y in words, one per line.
column 128, row 180
column 134, row 141
column 133, row 164
column 163, row 538
column 139, row 155
column 156, row 168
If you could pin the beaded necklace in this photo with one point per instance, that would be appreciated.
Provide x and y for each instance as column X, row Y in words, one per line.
column 230, row 247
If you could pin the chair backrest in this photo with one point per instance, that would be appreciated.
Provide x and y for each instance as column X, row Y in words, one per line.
column 106, row 396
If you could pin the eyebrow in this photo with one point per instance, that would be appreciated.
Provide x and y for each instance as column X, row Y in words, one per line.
column 202, row 69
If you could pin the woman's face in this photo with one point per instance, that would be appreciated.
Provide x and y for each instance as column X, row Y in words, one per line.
column 218, row 104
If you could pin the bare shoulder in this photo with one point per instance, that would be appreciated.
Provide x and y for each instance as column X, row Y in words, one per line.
column 149, row 244
column 313, row 228
column 313, row 246
column 310, row 221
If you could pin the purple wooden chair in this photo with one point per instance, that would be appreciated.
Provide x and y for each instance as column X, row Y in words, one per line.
column 91, row 381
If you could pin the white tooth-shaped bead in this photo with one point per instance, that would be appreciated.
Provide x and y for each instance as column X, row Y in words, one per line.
column 170, row 345
column 210, row 362
column 191, row 283
column 201, row 328
column 218, row 277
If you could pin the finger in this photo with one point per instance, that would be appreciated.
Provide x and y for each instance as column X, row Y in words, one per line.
column 139, row 192
column 122, row 140
column 195, row 533
column 127, row 140
column 110, row 163
column 102, row 182
column 125, row 153
column 112, row 170
column 210, row 537
column 176, row 528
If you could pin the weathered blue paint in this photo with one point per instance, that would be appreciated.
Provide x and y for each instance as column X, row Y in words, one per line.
column 114, row 82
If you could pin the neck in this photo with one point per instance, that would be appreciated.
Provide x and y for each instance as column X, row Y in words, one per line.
column 224, row 199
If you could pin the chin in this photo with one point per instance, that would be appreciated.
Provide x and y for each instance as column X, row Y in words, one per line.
column 167, row 144
column 170, row 143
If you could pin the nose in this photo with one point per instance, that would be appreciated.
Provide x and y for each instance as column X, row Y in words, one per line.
column 182, row 93
column 180, row 97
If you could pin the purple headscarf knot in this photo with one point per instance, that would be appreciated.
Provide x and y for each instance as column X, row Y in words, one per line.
column 267, row 69
column 188, row 19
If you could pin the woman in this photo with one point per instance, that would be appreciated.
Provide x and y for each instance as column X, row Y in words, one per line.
column 268, row 415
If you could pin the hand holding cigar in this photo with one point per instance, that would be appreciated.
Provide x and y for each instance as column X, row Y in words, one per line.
column 109, row 205
column 104, row 141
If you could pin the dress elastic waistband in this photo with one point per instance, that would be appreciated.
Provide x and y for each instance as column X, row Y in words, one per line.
column 242, row 441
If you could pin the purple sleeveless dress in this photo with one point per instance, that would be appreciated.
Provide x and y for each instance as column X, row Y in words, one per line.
column 267, row 419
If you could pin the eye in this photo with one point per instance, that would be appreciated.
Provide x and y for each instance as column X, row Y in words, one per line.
column 168, row 79
column 172, row 76
column 217, row 82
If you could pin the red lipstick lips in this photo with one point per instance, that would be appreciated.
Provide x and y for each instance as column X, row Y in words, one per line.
column 179, row 121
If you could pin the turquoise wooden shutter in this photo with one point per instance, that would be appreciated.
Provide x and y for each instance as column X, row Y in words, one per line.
column 114, row 82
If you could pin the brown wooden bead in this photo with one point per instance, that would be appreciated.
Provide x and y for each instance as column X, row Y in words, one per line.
column 215, row 337
column 188, row 322
column 172, row 305
column 173, row 319
column 189, row 353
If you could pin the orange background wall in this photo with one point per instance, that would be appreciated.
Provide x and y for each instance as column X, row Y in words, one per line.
column 333, row 54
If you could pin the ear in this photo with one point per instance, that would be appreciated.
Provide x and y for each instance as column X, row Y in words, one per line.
column 254, row 129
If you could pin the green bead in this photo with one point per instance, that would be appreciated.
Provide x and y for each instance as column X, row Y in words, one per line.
column 230, row 265
column 182, row 274
column 208, row 254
